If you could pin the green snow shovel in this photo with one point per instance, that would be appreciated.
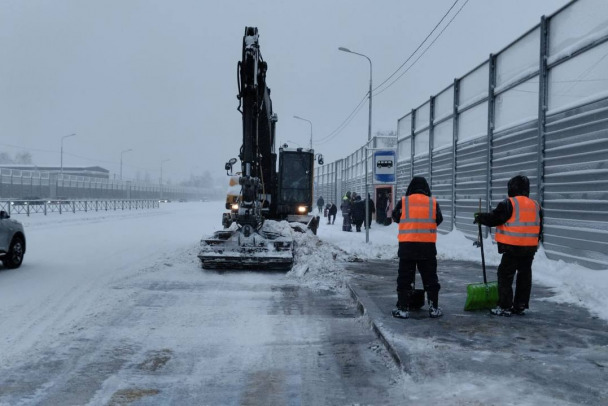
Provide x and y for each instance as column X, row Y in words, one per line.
column 482, row 295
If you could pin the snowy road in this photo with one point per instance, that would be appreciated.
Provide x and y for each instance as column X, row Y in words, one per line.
column 114, row 309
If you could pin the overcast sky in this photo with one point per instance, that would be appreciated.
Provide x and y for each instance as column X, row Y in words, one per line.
column 159, row 77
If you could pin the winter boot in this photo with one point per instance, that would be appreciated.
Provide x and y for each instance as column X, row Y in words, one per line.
column 434, row 310
column 520, row 311
column 401, row 313
column 499, row 311
column 403, row 309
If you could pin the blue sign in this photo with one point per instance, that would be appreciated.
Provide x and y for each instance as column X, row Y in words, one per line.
column 385, row 166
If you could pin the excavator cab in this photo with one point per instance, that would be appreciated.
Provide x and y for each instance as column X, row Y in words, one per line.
column 295, row 183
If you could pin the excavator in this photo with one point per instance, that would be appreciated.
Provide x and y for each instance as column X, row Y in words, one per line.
column 271, row 204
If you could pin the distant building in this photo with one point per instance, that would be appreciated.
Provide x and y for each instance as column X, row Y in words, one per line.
column 89, row 171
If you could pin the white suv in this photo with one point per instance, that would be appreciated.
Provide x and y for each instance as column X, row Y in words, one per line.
column 12, row 241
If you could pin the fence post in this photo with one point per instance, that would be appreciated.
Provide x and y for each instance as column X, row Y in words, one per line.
column 85, row 206
column 45, row 208
column 542, row 109
column 74, row 206
column 455, row 148
column 412, row 151
column 431, row 139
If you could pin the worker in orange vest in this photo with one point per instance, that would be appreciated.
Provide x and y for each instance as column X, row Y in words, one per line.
column 418, row 215
column 518, row 222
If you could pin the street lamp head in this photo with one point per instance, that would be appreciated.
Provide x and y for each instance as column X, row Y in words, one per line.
column 344, row 49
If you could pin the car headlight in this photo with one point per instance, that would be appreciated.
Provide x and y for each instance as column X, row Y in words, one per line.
column 235, row 207
column 302, row 209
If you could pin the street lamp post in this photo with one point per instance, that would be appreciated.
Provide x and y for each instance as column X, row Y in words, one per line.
column 122, row 152
column 61, row 159
column 309, row 122
column 161, row 176
column 369, row 138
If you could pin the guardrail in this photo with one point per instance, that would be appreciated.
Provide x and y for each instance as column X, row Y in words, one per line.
column 28, row 207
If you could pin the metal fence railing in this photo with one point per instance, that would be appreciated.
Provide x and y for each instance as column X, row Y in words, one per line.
column 538, row 107
column 29, row 207
column 19, row 184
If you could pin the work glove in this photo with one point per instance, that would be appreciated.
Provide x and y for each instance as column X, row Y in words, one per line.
column 477, row 218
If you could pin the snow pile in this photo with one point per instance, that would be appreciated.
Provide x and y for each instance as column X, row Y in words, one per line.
column 318, row 263
column 572, row 283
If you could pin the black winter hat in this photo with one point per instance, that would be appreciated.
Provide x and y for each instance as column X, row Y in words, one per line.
column 519, row 186
column 418, row 185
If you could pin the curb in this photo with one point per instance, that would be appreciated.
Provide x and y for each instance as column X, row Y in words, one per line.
column 389, row 347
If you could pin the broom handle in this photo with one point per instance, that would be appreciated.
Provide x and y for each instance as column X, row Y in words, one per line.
column 483, row 259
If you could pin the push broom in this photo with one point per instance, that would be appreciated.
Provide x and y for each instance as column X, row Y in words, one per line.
column 481, row 295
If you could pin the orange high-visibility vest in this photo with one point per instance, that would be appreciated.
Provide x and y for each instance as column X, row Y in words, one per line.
column 418, row 221
column 523, row 227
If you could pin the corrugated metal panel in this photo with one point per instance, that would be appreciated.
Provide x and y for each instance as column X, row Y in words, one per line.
column 514, row 152
column 576, row 185
column 421, row 166
column 441, row 186
column 403, row 177
column 471, row 178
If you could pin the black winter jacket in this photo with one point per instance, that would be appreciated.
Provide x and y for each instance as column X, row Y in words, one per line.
column 333, row 210
column 358, row 210
column 500, row 215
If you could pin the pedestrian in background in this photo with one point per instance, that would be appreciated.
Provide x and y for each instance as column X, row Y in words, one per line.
column 358, row 213
column 388, row 216
column 418, row 215
column 518, row 222
column 381, row 208
column 371, row 211
column 320, row 203
column 331, row 213
column 346, row 207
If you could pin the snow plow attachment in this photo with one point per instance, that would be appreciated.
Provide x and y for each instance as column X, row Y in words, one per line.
column 270, row 248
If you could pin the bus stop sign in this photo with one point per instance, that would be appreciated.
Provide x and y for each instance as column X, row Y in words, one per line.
column 384, row 166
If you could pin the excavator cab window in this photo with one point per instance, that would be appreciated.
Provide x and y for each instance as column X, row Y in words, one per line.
column 296, row 178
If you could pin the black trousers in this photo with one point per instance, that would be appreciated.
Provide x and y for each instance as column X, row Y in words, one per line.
column 331, row 218
column 428, row 273
column 346, row 224
column 358, row 224
column 510, row 265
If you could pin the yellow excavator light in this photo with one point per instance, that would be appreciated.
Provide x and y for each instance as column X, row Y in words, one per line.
column 302, row 209
column 234, row 207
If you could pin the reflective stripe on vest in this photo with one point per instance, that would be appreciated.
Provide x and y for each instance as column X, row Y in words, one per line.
column 418, row 222
column 523, row 227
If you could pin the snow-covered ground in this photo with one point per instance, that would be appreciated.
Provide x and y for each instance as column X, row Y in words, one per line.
column 62, row 292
